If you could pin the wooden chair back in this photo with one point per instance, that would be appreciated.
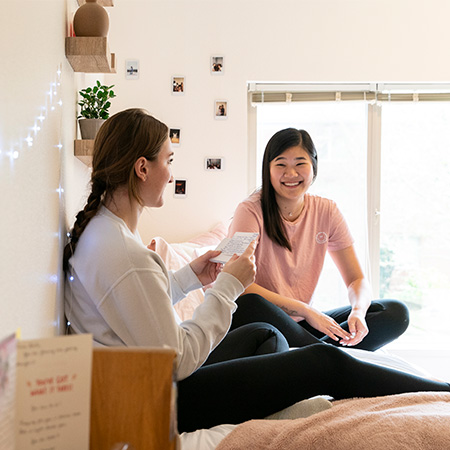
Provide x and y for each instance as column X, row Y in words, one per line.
column 133, row 399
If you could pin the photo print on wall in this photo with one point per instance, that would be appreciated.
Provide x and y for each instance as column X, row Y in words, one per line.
column 220, row 109
column 132, row 69
column 175, row 136
column 178, row 85
column 214, row 163
column 180, row 185
column 217, row 65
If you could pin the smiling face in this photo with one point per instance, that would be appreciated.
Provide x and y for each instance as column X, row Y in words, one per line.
column 159, row 176
column 291, row 175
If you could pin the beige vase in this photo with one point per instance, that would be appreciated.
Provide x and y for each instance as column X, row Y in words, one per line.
column 91, row 20
column 89, row 127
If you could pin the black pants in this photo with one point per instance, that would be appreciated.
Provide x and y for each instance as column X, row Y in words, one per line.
column 253, row 387
column 240, row 381
column 386, row 320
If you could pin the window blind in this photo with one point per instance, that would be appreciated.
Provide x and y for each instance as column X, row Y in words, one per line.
column 378, row 92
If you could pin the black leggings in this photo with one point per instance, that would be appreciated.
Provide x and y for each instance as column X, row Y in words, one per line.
column 241, row 387
column 386, row 320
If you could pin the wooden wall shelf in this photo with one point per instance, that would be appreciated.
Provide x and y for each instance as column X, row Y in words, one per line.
column 100, row 2
column 90, row 55
column 83, row 150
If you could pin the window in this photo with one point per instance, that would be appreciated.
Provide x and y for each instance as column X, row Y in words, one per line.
column 415, row 196
column 390, row 158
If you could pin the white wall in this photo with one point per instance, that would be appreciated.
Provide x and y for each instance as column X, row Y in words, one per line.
column 276, row 40
column 35, row 77
column 264, row 40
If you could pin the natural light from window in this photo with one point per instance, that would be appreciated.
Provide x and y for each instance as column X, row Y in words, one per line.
column 415, row 215
column 414, row 254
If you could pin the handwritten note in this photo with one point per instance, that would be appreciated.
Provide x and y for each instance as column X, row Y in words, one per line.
column 8, row 355
column 53, row 384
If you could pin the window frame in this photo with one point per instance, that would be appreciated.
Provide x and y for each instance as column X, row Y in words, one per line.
column 372, row 93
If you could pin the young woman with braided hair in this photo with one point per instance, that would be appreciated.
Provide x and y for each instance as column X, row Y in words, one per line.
column 121, row 292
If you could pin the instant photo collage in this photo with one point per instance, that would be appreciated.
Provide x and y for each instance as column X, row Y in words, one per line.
column 178, row 87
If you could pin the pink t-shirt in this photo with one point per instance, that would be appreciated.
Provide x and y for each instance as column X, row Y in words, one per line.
column 320, row 227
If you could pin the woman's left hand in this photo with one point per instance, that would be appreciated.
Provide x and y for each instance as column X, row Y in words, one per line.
column 206, row 270
column 358, row 329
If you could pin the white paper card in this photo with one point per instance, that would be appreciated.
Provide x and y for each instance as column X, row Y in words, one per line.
column 8, row 353
column 53, row 384
column 235, row 245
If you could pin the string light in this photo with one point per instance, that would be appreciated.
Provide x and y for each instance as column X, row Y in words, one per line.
column 52, row 99
column 29, row 139
column 50, row 102
column 53, row 278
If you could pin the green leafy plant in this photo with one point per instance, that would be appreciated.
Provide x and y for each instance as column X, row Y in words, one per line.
column 95, row 101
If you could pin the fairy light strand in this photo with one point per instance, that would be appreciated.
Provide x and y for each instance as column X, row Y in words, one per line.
column 52, row 101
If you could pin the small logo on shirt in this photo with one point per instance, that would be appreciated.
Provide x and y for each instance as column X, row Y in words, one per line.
column 321, row 237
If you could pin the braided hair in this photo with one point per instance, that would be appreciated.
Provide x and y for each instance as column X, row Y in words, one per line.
column 121, row 140
column 278, row 143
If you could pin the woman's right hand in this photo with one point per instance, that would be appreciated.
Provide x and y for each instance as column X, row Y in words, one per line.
column 243, row 267
column 326, row 325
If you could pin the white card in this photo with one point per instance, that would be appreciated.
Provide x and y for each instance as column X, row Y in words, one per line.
column 53, row 387
column 234, row 246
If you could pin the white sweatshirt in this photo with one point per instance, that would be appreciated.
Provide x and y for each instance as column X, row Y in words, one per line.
column 122, row 293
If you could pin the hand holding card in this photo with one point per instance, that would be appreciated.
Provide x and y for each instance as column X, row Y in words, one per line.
column 234, row 246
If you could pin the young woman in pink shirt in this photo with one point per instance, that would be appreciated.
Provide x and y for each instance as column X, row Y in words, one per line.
column 296, row 230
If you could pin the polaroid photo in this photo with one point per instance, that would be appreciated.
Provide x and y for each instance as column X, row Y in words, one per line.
column 217, row 65
column 220, row 109
column 132, row 69
column 180, row 188
column 214, row 163
column 178, row 85
column 175, row 136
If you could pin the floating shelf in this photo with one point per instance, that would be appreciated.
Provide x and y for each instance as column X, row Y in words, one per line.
column 100, row 2
column 83, row 150
column 90, row 55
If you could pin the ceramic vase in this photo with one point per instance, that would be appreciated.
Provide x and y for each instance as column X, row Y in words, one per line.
column 91, row 20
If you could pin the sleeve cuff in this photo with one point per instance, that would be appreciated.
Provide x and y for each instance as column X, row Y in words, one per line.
column 227, row 286
column 186, row 279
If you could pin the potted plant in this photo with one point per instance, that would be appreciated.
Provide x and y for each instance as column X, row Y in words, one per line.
column 94, row 111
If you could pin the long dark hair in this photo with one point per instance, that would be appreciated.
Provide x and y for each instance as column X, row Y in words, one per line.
column 278, row 143
column 120, row 142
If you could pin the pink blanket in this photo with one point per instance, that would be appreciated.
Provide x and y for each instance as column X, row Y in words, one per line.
column 414, row 421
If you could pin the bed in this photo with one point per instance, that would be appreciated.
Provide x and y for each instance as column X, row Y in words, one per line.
column 408, row 421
